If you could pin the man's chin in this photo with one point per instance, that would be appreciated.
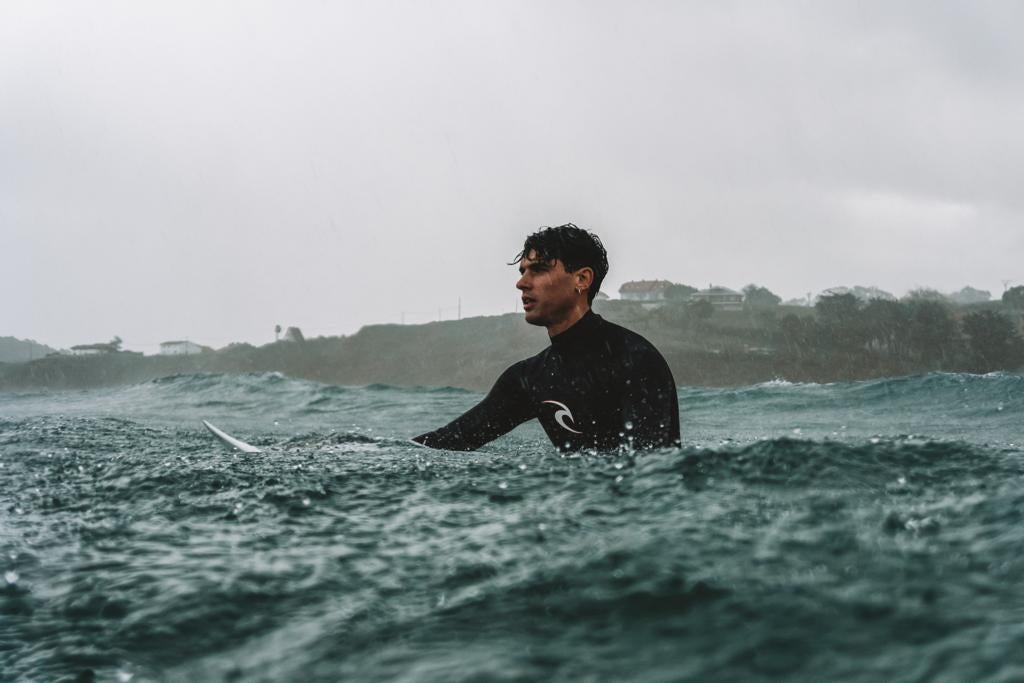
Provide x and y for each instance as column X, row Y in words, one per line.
column 534, row 318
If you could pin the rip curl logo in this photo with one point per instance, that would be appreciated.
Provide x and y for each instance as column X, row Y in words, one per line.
column 561, row 415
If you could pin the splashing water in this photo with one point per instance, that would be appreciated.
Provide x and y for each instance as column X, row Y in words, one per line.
column 880, row 541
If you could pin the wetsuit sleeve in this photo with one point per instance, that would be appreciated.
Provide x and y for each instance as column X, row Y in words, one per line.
column 506, row 406
column 650, row 407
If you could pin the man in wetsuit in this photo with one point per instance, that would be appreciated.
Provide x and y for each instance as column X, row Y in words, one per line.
column 597, row 386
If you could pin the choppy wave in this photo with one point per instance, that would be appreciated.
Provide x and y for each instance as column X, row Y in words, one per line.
column 133, row 545
column 948, row 405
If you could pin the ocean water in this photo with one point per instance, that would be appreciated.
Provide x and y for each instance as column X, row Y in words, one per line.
column 860, row 531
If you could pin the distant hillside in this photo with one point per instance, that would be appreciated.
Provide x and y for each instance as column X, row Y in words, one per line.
column 18, row 351
column 838, row 339
column 466, row 353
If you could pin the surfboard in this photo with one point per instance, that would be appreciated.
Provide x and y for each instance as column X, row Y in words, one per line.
column 230, row 440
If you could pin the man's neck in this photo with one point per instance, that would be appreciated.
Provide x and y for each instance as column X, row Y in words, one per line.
column 575, row 315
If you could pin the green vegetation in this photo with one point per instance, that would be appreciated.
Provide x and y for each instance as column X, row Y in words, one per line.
column 760, row 297
column 841, row 338
column 920, row 333
column 1014, row 297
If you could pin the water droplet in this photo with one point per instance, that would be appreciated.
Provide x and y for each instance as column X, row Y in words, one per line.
column 618, row 479
column 11, row 578
column 629, row 425
column 797, row 430
column 522, row 467
column 124, row 676
column 305, row 501
column 19, row 511
column 901, row 481
column 618, row 465
column 502, row 485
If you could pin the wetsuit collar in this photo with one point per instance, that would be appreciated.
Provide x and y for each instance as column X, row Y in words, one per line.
column 581, row 330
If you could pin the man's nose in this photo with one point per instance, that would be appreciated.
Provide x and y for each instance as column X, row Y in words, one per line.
column 522, row 283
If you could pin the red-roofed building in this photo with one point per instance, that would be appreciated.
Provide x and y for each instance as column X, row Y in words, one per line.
column 644, row 290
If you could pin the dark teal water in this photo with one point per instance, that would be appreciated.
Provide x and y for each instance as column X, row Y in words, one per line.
column 867, row 531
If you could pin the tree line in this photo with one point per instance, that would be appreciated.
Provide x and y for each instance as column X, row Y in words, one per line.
column 853, row 336
column 919, row 330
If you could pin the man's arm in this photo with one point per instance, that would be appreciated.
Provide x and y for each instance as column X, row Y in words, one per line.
column 505, row 407
column 650, row 407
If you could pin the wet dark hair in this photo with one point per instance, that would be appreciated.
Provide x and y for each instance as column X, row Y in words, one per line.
column 575, row 247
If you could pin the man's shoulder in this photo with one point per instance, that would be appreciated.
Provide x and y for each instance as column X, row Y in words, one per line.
column 534, row 362
column 630, row 340
column 526, row 366
column 637, row 353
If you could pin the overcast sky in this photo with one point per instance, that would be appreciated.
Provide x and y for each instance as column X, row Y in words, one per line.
column 208, row 170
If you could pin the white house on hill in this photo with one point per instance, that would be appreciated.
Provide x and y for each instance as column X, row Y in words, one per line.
column 179, row 348
column 721, row 298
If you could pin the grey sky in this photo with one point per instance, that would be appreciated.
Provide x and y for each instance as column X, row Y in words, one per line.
column 206, row 170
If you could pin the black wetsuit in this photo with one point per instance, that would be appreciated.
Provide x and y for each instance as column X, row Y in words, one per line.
column 598, row 386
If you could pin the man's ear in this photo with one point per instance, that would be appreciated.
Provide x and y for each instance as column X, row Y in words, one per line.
column 584, row 278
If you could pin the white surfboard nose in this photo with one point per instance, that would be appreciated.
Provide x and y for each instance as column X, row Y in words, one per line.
column 230, row 440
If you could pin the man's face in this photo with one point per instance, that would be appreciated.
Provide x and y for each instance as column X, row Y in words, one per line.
column 549, row 291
